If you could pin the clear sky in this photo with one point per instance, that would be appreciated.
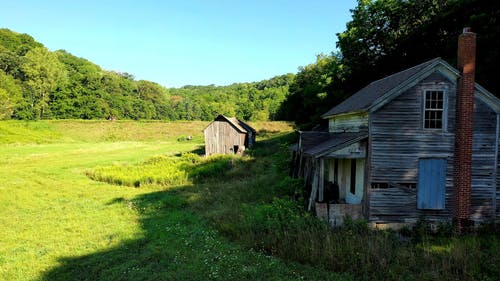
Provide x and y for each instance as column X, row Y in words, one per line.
column 185, row 42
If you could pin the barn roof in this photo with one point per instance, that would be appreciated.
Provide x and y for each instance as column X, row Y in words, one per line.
column 242, row 124
column 380, row 91
column 239, row 125
column 317, row 144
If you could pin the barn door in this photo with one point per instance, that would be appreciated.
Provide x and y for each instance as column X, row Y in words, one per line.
column 431, row 183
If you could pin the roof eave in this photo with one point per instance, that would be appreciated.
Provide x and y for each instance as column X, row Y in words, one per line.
column 229, row 121
column 355, row 112
column 487, row 98
column 340, row 146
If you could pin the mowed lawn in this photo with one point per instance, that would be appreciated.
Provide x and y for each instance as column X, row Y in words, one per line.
column 56, row 223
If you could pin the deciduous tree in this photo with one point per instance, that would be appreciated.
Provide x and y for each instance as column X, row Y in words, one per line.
column 44, row 73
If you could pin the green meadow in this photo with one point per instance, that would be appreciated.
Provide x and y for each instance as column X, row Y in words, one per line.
column 56, row 223
column 125, row 200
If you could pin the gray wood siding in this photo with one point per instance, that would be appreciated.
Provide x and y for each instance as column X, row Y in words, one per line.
column 483, row 162
column 398, row 140
column 221, row 137
column 498, row 173
column 348, row 123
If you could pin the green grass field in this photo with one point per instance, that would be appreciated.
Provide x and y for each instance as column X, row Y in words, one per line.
column 58, row 224
column 94, row 200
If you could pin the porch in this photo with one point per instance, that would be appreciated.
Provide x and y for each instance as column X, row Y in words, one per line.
column 333, row 168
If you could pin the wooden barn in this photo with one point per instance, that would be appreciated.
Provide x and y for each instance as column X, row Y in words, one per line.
column 421, row 143
column 228, row 136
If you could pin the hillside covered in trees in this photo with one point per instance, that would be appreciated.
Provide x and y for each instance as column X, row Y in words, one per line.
column 383, row 37
column 387, row 36
column 36, row 83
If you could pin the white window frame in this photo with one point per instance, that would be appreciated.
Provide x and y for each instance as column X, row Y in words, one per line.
column 444, row 110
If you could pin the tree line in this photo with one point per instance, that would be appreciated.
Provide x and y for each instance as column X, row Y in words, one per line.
column 36, row 83
column 387, row 36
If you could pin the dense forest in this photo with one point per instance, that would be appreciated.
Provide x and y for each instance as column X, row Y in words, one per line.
column 36, row 83
column 387, row 36
column 383, row 37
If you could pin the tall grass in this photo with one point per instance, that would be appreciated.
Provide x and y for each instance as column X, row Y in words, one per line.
column 283, row 229
column 254, row 203
column 164, row 170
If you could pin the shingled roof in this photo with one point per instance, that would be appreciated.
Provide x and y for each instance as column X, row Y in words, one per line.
column 364, row 98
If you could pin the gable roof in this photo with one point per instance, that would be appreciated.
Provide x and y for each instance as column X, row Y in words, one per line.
column 242, row 124
column 378, row 91
column 239, row 125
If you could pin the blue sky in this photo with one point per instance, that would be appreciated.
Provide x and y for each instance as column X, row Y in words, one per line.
column 186, row 42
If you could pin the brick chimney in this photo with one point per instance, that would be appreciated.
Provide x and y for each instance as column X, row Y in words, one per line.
column 463, row 128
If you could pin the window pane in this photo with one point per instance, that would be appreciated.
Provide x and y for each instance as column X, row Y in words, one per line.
column 439, row 104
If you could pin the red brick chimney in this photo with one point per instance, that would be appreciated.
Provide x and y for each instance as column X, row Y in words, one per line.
column 463, row 128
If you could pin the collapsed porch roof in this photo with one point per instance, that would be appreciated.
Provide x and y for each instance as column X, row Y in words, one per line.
column 318, row 144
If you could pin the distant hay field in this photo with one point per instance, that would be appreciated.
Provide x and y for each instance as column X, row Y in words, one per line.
column 50, row 131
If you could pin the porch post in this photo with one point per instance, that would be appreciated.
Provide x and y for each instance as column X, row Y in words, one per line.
column 314, row 187
column 321, row 180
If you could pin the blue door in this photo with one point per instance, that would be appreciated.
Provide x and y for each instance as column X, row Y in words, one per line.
column 431, row 183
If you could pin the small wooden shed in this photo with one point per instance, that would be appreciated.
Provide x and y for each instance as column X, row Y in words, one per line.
column 228, row 136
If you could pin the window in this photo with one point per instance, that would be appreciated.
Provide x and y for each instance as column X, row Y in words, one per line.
column 431, row 187
column 434, row 109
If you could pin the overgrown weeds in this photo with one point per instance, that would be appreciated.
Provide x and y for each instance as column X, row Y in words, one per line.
column 164, row 170
column 251, row 200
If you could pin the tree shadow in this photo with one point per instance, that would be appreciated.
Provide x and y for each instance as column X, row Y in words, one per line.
column 167, row 249
column 178, row 243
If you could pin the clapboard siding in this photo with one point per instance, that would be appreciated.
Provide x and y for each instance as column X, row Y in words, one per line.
column 398, row 141
column 221, row 137
column 498, row 173
column 348, row 123
column 483, row 162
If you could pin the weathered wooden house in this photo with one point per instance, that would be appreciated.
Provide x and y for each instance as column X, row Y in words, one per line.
column 405, row 148
column 228, row 136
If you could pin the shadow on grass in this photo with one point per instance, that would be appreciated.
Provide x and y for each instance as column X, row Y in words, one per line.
column 179, row 243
